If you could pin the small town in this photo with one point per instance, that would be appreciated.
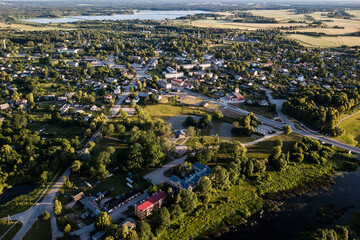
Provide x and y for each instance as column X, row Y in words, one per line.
column 179, row 121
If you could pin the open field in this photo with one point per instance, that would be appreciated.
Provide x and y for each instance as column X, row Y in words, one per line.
column 280, row 15
column 165, row 110
column 327, row 41
column 40, row 230
column 28, row 27
column 352, row 130
column 238, row 25
column 263, row 149
column 5, row 227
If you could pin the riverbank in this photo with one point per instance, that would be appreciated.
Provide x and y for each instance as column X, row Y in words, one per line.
column 268, row 191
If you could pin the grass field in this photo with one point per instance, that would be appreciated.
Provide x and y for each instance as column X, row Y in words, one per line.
column 165, row 111
column 5, row 227
column 326, row 41
column 263, row 149
column 207, row 23
column 352, row 130
column 28, row 27
column 39, row 231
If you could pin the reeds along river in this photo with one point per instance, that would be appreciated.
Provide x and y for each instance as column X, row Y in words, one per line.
column 323, row 208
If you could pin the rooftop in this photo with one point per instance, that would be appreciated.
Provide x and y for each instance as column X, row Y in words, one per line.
column 152, row 200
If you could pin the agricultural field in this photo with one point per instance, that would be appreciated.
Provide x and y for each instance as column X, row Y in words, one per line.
column 326, row 41
column 239, row 25
column 29, row 27
column 351, row 126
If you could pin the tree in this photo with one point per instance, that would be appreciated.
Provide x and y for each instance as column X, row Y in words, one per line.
column 45, row 215
column 57, row 207
column 162, row 218
column 103, row 220
column 67, row 230
column 76, row 165
column 188, row 200
column 287, row 130
column 190, row 131
column 143, row 230
column 205, row 185
column 222, row 177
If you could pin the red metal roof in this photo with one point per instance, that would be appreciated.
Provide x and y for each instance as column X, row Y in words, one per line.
column 152, row 200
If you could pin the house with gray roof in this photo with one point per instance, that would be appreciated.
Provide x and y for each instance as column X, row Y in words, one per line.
column 191, row 181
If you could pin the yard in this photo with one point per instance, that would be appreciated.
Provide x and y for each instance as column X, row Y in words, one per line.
column 58, row 130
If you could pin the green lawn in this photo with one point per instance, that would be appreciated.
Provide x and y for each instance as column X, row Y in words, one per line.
column 165, row 110
column 39, row 231
column 5, row 227
column 56, row 128
column 264, row 111
column 154, row 73
column 263, row 149
column 351, row 126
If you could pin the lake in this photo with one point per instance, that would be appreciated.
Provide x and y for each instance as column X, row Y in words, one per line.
column 141, row 15
column 317, row 209
column 15, row 192
column 221, row 128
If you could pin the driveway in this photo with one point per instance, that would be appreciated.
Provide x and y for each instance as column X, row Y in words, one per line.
column 157, row 175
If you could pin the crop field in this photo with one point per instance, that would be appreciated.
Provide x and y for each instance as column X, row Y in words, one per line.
column 28, row 27
column 326, row 41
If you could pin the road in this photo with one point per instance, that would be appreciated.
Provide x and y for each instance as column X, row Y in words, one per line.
column 29, row 217
column 286, row 121
column 302, row 130
column 237, row 110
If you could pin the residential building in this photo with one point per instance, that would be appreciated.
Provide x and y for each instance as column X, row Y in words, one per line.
column 147, row 206
column 115, row 203
column 177, row 82
column 4, row 106
column 235, row 96
column 174, row 75
column 164, row 84
column 191, row 181
column 98, row 236
column 129, row 222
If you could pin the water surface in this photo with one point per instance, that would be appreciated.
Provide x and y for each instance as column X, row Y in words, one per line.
column 317, row 209
column 15, row 192
column 141, row 15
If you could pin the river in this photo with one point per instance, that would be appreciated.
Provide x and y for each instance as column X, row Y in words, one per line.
column 141, row 15
column 15, row 192
column 317, row 209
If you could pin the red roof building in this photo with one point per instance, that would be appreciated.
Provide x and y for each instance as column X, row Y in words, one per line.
column 145, row 207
